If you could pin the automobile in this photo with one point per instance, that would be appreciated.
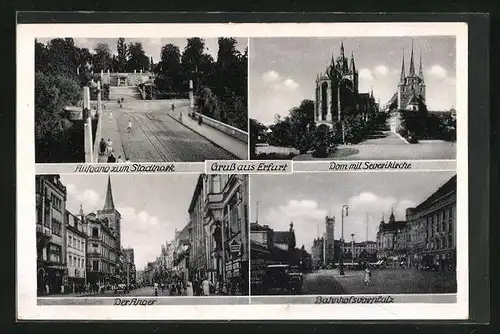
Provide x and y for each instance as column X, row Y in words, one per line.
column 121, row 287
column 283, row 277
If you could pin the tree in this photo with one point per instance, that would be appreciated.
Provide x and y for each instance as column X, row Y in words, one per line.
column 137, row 59
column 102, row 57
column 60, row 58
column 121, row 58
column 41, row 57
column 170, row 76
column 256, row 134
column 301, row 118
column 191, row 58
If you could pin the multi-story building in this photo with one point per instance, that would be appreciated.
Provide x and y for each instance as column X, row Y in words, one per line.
column 329, row 256
column 50, row 234
column 392, row 240
column 76, row 252
column 218, row 230
column 432, row 229
column 181, row 254
column 129, row 271
column 104, row 247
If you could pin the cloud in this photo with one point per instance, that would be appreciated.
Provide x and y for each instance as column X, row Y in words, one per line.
column 381, row 71
column 88, row 199
column 270, row 76
column 305, row 215
column 290, row 84
column 437, row 72
column 365, row 74
column 145, row 233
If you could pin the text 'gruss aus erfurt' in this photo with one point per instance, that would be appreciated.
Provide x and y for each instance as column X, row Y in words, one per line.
column 249, row 167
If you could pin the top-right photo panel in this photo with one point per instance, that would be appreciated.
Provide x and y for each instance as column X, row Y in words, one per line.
column 353, row 98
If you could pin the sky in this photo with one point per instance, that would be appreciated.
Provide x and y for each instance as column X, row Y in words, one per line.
column 283, row 70
column 306, row 199
column 152, row 46
column 152, row 206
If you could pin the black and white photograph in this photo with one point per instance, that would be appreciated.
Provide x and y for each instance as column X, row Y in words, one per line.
column 140, row 99
column 354, row 233
column 353, row 98
column 141, row 235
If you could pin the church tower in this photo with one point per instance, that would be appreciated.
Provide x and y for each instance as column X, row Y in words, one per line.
column 411, row 87
column 110, row 213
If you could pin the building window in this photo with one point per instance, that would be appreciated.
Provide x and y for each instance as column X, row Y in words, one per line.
column 215, row 186
column 70, row 242
column 56, row 227
column 95, row 232
column 95, row 265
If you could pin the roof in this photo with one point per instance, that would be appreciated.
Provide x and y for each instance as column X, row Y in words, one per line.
column 109, row 203
column 449, row 187
column 397, row 225
column 281, row 237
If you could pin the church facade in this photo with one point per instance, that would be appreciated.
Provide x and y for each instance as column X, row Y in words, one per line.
column 337, row 92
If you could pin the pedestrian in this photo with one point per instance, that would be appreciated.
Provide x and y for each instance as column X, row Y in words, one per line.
column 368, row 276
column 189, row 289
column 127, row 160
column 120, row 160
column 206, row 287
column 129, row 126
column 102, row 146
column 109, row 146
column 111, row 158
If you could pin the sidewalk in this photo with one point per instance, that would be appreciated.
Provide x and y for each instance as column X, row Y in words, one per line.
column 109, row 130
column 219, row 138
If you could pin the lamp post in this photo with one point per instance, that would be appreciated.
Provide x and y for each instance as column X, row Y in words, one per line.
column 345, row 209
column 352, row 249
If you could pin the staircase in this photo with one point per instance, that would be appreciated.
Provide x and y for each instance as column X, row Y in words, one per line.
column 125, row 92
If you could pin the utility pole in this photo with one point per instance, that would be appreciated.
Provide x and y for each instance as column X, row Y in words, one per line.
column 341, row 260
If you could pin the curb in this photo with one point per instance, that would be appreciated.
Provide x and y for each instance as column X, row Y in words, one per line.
column 403, row 138
column 210, row 140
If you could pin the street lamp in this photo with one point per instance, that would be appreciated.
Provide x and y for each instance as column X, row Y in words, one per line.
column 345, row 209
column 352, row 249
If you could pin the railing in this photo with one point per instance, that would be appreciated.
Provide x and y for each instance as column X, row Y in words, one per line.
column 227, row 129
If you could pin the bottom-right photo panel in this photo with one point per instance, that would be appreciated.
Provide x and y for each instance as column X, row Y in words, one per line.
column 353, row 233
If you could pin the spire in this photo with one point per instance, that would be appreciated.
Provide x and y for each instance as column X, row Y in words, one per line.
column 353, row 66
column 402, row 79
column 412, row 63
column 371, row 92
column 108, row 203
column 420, row 70
column 342, row 49
column 392, row 219
column 81, row 211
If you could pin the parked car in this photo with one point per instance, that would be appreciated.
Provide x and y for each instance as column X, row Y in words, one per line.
column 283, row 277
column 122, row 287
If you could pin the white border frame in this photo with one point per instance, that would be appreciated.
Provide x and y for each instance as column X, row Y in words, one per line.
column 26, row 266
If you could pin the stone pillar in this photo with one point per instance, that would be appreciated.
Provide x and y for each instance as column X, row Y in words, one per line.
column 141, row 70
column 102, row 75
column 99, row 107
column 134, row 71
column 109, row 78
column 87, row 125
column 77, row 71
column 191, row 96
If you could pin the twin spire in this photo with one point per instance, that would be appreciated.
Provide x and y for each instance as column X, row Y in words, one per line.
column 412, row 66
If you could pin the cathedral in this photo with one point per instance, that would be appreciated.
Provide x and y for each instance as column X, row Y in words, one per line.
column 337, row 92
column 411, row 87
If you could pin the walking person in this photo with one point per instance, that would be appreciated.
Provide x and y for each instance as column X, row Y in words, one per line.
column 111, row 158
column 368, row 276
column 109, row 146
column 102, row 146
column 120, row 160
column 206, row 287
column 129, row 126
column 189, row 289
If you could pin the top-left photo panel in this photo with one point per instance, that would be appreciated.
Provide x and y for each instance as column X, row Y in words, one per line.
column 100, row 100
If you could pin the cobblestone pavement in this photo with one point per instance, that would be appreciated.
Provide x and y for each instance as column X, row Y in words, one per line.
column 383, row 281
column 155, row 136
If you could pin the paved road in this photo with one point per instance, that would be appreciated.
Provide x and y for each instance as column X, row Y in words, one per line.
column 155, row 136
column 389, row 281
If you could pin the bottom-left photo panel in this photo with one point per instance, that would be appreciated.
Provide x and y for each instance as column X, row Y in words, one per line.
column 142, row 235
